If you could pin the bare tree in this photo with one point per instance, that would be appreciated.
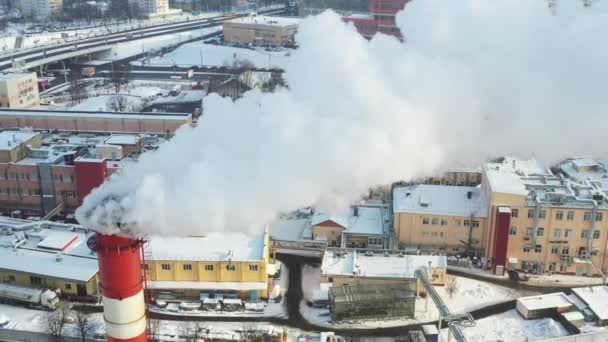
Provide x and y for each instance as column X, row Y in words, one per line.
column 84, row 325
column 55, row 322
column 119, row 76
column 451, row 285
column 118, row 103
column 190, row 331
column 155, row 327
column 275, row 81
column 250, row 333
column 77, row 88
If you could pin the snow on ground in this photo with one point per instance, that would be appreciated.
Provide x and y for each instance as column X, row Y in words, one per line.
column 537, row 279
column 511, row 327
column 311, row 279
column 218, row 55
column 108, row 103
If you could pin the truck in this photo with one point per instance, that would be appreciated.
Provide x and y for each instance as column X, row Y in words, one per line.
column 88, row 71
column 45, row 298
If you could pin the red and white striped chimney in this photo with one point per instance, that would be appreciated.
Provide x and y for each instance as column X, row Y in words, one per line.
column 122, row 288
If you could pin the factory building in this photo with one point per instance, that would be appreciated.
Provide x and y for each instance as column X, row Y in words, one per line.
column 19, row 90
column 47, row 255
column 42, row 173
column 457, row 177
column 108, row 122
column 359, row 227
column 260, row 30
column 217, row 265
column 381, row 18
column 440, row 218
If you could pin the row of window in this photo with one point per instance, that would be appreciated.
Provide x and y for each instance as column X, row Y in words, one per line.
column 188, row 267
column 557, row 233
column 565, row 250
column 559, row 215
column 435, row 234
column 33, row 192
column 444, row 222
column 34, row 177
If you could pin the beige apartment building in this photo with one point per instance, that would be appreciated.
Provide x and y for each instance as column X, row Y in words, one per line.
column 260, row 30
column 440, row 218
column 540, row 222
column 458, row 177
column 19, row 90
column 41, row 9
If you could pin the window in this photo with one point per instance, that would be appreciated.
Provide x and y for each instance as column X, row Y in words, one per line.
column 596, row 235
column 529, row 231
column 22, row 176
column 425, row 220
column 554, row 249
column 540, row 231
column 11, row 278
column 557, row 233
column 208, row 267
column 565, row 250
column 435, row 234
column 67, row 179
column 526, row 249
column 542, row 214
column 435, row 221
column 559, row 215
column 587, row 216
column 570, row 216
column 145, row 267
column 475, row 224
column 443, row 234
column 457, row 222
column 70, row 194
column 531, row 213
column 165, row 267
column 35, row 280
column 584, row 234
column 598, row 216
column 253, row 268
column 467, row 223
column 513, row 231
column 514, row 212
column 2, row 176
column 187, row 267
column 12, row 176
column 552, row 267
column 425, row 234
column 68, row 286
column 563, row 267
column 568, row 234
column 33, row 177
column 444, row 222
column 230, row 268
column 538, row 248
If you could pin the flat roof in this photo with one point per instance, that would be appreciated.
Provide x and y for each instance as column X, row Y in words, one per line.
column 547, row 301
column 440, row 200
column 94, row 114
column 596, row 297
column 58, row 241
column 266, row 20
column 13, row 75
column 218, row 246
column 209, row 285
column 378, row 265
column 369, row 220
column 11, row 139
column 506, row 176
column 123, row 139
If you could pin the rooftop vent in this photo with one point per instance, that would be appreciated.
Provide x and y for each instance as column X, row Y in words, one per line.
column 469, row 194
column 58, row 257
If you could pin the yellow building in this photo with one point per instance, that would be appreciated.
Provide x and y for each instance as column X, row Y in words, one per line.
column 233, row 265
column 260, row 30
column 555, row 224
column 19, row 90
column 55, row 258
column 14, row 145
column 440, row 218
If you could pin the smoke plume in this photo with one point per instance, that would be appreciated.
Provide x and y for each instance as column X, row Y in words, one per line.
column 474, row 79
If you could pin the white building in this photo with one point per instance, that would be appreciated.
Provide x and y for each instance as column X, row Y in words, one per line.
column 41, row 9
column 19, row 90
column 153, row 8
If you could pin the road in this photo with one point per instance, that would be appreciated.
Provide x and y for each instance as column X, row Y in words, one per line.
column 113, row 38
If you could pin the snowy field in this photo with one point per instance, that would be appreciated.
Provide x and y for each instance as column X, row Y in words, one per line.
column 470, row 295
column 511, row 327
column 108, row 103
column 218, row 55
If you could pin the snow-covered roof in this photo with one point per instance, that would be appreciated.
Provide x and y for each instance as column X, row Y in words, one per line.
column 94, row 114
column 596, row 297
column 4, row 76
column 505, row 177
column 123, row 139
column 547, row 301
column 440, row 200
column 368, row 220
column 594, row 171
column 206, row 285
column 218, row 246
column 573, row 316
column 11, row 139
column 266, row 20
column 293, row 229
column 58, row 240
column 378, row 265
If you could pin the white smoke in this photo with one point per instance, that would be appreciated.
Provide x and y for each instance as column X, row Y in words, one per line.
column 475, row 79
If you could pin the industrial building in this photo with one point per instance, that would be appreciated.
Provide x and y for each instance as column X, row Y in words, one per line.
column 359, row 227
column 43, row 173
column 381, row 18
column 19, row 90
column 440, row 218
column 94, row 121
column 371, row 301
column 457, row 177
column 260, row 30
column 47, row 255
column 348, row 267
column 226, row 265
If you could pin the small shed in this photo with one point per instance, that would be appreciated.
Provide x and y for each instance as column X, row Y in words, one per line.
column 534, row 307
